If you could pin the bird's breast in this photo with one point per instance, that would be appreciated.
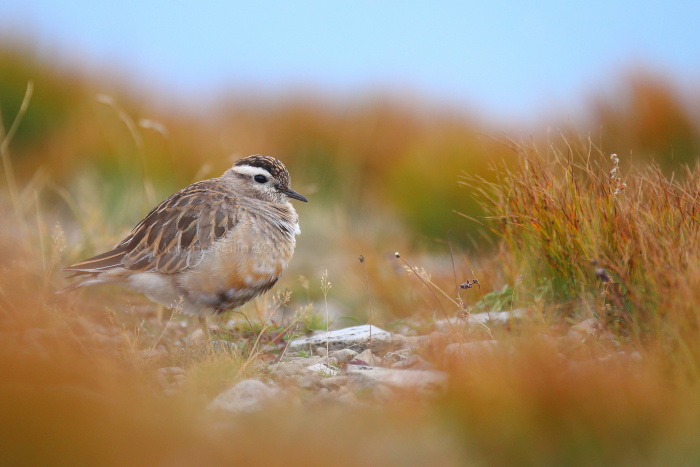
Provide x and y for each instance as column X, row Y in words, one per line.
column 248, row 261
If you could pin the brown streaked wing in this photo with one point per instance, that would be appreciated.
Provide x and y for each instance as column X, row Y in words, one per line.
column 176, row 233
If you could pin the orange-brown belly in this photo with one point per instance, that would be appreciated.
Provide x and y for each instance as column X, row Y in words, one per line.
column 235, row 274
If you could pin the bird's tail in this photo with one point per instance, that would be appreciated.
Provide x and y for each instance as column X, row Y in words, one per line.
column 86, row 281
column 91, row 270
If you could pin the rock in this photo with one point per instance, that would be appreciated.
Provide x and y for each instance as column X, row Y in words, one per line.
column 305, row 360
column 447, row 325
column 343, row 356
column 247, row 396
column 496, row 317
column 413, row 361
column 308, row 381
column 398, row 356
column 356, row 338
column 404, row 330
column 323, row 369
column 368, row 357
column 591, row 328
column 294, row 365
column 470, row 349
column 321, row 352
column 368, row 377
column 415, row 342
column 480, row 319
column 398, row 341
column 301, row 360
column 334, row 382
column 287, row 368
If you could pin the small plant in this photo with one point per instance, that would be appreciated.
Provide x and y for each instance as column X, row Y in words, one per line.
column 325, row 287
column 498, row 300
column 369, row 300
column 310, row 319
column 576, row 226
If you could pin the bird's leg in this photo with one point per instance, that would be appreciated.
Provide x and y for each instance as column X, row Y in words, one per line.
column 204, row 326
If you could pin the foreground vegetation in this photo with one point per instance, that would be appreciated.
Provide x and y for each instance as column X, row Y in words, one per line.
column 579, row 233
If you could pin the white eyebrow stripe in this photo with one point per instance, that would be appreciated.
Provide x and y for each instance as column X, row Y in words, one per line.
column 252, row 171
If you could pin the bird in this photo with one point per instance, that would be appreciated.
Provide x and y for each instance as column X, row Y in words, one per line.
column 209, row 248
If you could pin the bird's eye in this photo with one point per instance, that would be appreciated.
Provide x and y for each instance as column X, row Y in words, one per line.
column 260, row 178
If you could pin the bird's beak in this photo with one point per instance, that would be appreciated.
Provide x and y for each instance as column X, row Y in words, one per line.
column 293, row 194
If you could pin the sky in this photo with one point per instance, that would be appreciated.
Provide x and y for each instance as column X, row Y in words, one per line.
column 502, row 58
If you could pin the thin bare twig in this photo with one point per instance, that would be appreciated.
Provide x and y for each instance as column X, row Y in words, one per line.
column 398, row 256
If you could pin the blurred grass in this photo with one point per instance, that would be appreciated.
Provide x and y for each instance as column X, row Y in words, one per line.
column 373, row 153
column 381, row 178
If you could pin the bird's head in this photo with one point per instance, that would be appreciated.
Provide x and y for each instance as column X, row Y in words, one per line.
column 265, row 178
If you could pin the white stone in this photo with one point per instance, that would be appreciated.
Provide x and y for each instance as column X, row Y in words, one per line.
column 419, row 380
column 323, row 369
column 356, row 337
column 496, row 317
column 247, row 396
column 479, row 319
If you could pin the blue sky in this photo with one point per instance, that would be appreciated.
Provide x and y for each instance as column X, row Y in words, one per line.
column 501, row 58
